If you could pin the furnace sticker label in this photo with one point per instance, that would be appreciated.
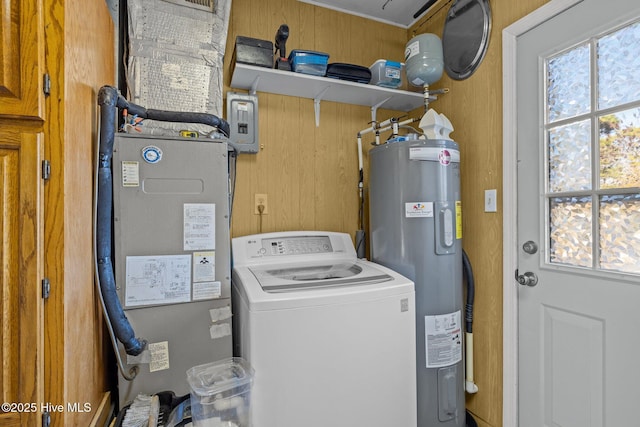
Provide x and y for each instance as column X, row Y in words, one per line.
column 204, row 266
column 159, row 352
column 154, row 280
column 443, row 339
column 130, row 174
column 206, row 290
column 418, row 209
column 219, row 330
column 199, row 226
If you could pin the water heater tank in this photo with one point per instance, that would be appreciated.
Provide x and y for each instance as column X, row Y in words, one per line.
column 424, row 60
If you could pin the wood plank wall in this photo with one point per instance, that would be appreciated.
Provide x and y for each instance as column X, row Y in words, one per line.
column 310, row 174
column 80, row 59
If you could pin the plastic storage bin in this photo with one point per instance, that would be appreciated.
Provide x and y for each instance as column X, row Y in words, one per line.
column 386, row 73
column 309, row 62
column 221, row 393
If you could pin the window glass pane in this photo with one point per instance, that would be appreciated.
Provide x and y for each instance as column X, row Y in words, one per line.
column 620, row 149
column 568, row 77
column 570, row 157
column 570, row 231
column 620, row 233
column 618, row 65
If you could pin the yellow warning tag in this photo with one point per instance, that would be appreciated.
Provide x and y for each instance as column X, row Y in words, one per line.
column 458, row 219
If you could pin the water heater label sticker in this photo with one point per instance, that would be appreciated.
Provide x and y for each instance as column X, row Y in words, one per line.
column 199, row 226
column 444, row 156
column 206, row 290
column 418, row 209
column 443, row 339
column 130, row 174
column 204, row 266
column 159, row 356
column 161, row 279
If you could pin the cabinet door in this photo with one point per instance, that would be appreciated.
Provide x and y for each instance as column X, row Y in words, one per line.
column 21, row 307
column 21, row 59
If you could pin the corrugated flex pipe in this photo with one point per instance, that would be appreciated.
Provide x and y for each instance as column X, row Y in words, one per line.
column 118, row 322
column 470, row 385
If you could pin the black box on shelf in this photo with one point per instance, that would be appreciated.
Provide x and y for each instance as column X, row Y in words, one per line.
column 252, row 51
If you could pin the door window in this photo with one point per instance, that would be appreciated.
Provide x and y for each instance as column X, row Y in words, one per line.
column 592, row 131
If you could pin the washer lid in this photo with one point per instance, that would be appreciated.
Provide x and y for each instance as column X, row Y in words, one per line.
column 296, row 277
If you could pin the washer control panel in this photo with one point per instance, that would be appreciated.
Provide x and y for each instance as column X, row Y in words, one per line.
column 292, row 246
column 299, row 245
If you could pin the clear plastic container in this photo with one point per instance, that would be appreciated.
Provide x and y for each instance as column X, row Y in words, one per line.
column 221, row 393
column 387, row 73
column 309, row 62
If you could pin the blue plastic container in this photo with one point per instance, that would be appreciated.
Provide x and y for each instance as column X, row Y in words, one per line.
column 386, row 73
column 309, row 62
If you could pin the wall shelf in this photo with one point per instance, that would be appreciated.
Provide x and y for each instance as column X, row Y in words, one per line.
column 260, row 79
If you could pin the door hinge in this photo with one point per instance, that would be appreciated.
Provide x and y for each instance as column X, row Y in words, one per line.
column 46, row 169
column 46, row 288
column 46, row 84
column 46, row 419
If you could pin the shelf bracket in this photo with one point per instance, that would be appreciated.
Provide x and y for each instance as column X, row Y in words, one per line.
column 254, row 86
column 316, row 104
column 374, row 109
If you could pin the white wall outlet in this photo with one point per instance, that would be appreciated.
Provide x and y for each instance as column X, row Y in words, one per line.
column 491, row 200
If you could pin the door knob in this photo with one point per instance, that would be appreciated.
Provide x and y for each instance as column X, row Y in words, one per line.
column 527, row 279
column 530, row 247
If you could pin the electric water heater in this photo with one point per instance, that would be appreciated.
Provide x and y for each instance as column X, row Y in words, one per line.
column 416, row 230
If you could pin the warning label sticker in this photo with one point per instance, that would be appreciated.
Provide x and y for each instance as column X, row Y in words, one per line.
column 443, row 339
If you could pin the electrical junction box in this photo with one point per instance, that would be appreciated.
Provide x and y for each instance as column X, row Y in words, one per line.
column 242, row 115
column 172, row 259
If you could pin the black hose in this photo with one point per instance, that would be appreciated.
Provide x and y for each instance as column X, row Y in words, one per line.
column 174, row 116
column 468, row 275
column 122, row 328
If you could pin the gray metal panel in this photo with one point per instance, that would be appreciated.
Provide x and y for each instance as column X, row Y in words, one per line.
column 242, row 115
column 149, row 221
column 415, row 248
column 186, row 328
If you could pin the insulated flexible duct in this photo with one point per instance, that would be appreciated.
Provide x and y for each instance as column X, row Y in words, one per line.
column 107, row 100
column 174, row 116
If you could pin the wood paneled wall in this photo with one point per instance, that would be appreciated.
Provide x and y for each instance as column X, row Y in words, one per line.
column 80, row 59
column 310, row 174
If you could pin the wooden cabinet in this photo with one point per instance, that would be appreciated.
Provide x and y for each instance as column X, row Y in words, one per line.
column 54, row 350
column 21, row 306
column 21, row 53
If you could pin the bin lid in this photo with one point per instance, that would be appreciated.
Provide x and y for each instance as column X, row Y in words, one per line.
column 217, row 377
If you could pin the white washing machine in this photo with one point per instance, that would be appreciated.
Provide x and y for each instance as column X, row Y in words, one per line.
column 331, row 337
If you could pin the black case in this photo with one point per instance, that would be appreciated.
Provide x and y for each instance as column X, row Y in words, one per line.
column 350, row 72
column 252, row 51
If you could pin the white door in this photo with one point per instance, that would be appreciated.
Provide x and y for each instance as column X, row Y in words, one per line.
column 578, row 210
